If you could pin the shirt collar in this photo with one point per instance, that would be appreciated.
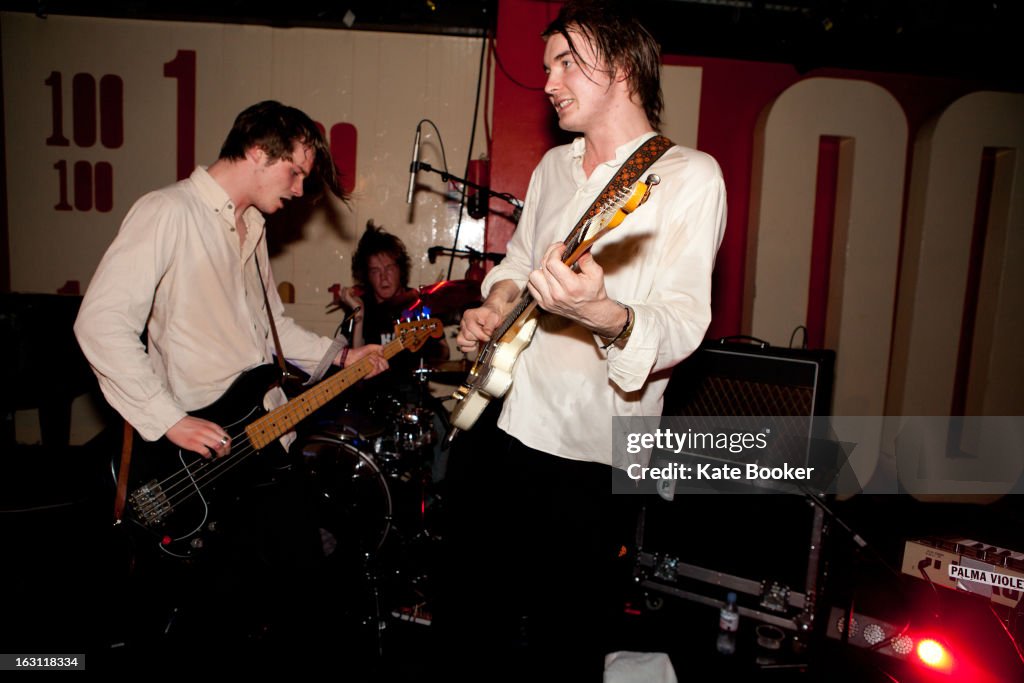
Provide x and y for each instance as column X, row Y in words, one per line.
column 212, row 194
column 579, row 146
column 217, row 200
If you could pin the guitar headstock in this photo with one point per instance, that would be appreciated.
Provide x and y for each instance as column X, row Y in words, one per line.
column 624, row 201
column 414, row 333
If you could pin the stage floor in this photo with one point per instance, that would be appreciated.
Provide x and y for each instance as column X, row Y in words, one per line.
column 59, row 589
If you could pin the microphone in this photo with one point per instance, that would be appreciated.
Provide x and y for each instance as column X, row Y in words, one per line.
column 517, row 211
column 477, row 200
column 476, row 205
column 414, row 166
column 350, row 320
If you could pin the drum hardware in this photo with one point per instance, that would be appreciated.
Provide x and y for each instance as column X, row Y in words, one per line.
column 372, row 470
column 375, row 506
column 473, row 254
column 446, row 300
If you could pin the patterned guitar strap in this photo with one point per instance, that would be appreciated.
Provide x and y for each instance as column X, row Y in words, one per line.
column 627, row 175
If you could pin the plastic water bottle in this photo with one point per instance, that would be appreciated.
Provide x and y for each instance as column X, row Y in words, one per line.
column 729, row 615
column 728, row 624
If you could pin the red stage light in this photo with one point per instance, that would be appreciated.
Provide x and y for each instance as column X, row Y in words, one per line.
column 934, row 655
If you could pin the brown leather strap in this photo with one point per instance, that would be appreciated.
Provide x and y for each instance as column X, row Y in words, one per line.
column 639, row 161
column 270, row 317
column 122, row 473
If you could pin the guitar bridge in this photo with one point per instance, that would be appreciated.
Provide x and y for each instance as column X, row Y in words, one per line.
column 150, row 504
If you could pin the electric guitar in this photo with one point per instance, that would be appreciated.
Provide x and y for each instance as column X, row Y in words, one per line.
column 491, row 374
column 173, row 494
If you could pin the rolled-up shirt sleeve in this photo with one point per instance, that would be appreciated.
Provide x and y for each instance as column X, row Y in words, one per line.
column 672, row 318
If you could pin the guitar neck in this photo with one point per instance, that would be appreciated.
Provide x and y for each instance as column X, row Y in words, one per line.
column 282, row 420
column 570, row 256
column 579, row 241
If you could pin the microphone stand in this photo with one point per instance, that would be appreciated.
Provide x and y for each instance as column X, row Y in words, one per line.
column 517, row 205
column 493, row 257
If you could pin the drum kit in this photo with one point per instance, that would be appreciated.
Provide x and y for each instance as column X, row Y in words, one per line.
column 376, row 465
column 372, row 472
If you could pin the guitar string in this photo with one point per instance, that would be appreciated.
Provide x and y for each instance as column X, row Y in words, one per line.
column 622, row 196
column 181, row 485
column 216, row 469
column 185, row 483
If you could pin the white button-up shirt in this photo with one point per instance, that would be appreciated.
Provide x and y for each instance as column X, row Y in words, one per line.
column 566, row 389
column 176, row 269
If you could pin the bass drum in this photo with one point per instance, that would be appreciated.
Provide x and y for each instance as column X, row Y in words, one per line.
column 354, row 505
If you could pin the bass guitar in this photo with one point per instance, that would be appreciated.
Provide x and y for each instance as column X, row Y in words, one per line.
column 173, row 494
column 491, row 374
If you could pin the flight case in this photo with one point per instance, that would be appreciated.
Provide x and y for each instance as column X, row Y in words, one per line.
column 766, row 546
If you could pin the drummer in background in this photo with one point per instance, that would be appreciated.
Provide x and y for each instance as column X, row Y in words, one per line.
column 380, row 298
column 382, row 295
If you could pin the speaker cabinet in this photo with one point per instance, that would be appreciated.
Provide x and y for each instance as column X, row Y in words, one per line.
column 732, row 379
column 700, row 544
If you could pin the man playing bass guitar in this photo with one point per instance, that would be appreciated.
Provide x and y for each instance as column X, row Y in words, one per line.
column 190, row 267
column 533, row 514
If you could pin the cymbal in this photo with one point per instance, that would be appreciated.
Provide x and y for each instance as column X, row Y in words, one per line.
column 447, row 299
column 407, row 299
column 454, row 294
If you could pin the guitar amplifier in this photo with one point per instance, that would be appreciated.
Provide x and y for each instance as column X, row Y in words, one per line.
column 730, row 377
column 727, row 379
column 764, row 545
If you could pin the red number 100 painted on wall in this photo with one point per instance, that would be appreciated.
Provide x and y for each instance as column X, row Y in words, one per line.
column 93, row 184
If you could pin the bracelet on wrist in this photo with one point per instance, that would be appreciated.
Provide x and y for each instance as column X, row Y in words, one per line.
column 627, row 327
column 344, row 356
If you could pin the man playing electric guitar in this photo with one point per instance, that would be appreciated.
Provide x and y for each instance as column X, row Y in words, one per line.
column 190, row 266
column 533, row 514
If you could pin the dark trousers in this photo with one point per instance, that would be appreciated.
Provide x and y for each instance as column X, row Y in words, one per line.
column 533, row 579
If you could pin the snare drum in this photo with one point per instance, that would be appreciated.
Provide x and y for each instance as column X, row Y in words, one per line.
column 403, row 446
column 413, row 429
